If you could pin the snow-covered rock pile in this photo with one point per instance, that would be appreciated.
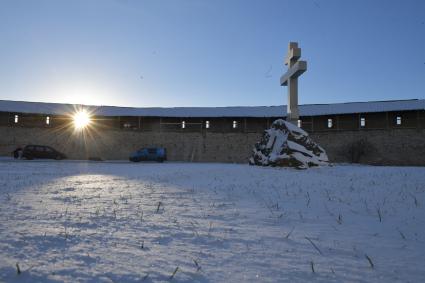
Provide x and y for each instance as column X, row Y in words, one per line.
column 286, row 145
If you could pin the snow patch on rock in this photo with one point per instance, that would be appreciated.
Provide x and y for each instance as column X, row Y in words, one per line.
column 286, row 145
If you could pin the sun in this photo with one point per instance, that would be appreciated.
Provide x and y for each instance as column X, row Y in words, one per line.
column 81, row 119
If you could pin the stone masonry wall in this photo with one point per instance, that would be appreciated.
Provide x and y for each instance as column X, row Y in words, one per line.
column 382, row 147
column 117, row 145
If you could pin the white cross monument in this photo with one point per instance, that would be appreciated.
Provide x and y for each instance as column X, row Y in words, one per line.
column 290, row 79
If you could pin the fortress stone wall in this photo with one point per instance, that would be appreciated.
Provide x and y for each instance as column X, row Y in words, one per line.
column 380, row 147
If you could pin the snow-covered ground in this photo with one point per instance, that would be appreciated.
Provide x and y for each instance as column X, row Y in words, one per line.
column 122, row 222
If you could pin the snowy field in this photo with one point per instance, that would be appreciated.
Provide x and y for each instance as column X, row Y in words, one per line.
column 121, row 222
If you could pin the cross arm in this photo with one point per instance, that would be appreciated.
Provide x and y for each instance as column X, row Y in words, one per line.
column 295, row 71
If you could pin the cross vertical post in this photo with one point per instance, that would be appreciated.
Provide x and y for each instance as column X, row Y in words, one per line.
column 290, row 79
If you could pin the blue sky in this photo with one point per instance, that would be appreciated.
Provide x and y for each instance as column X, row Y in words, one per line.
column 209, row 53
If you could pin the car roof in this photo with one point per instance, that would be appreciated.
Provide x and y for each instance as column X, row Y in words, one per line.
column 39, row 145
column 150, row 148
column 35, row 145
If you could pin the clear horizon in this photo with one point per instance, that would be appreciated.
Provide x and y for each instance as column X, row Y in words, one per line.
column 209, row 54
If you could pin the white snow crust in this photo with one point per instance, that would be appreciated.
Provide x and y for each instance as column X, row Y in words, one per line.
column 120, row 222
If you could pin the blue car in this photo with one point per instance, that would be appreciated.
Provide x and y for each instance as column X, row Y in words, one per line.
column 149, row 154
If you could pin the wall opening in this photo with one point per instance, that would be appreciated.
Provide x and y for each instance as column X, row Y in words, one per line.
column 207, row 124
column 330, row 123
column 398, row 120
column 362, row 122
column 183, row 124
column 47, row 120
column 299, row 123
column 235, row 124
column 16, row 119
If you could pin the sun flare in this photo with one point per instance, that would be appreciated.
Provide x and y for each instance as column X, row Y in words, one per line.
column 81, row 119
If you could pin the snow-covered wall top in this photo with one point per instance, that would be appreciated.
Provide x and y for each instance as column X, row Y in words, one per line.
column 234, row 111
